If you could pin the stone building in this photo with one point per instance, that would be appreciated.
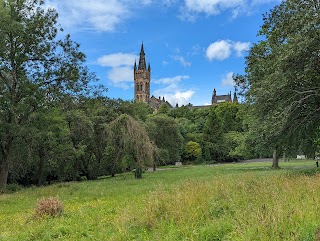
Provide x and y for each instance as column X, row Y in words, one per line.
column 142, row 79
column 216, row 99
column 142, row 76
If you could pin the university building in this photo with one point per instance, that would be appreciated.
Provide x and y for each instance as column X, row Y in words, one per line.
column 142, row 75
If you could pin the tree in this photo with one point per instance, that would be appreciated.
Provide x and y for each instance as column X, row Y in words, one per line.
column 192, row 151
column 81, row 135
column 47, row 136
column 164, row 108
column 164, row 131
column 230, row 117
column 213, row 136
column 128, row 137
column 282, row 81
column 35, row 68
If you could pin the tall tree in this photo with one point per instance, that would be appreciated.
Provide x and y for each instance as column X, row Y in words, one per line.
column 35, row 68
column 282, row 81
column 128, row 137
column 213, row 136
column 164, row 131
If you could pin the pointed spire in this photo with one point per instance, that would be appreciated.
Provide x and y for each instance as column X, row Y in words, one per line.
column 142, row 60
column 149, row 68
column 142, row 49
column 235, row 97
column 135, row 64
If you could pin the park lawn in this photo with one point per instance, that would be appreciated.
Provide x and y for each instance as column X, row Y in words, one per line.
column 220, row 202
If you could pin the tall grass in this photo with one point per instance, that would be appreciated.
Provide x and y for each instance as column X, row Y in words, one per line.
column 227, row 202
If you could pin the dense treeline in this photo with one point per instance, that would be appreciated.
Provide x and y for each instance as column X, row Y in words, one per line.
column 87, row 137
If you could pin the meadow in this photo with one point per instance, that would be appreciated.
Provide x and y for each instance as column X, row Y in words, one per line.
column 247, row 201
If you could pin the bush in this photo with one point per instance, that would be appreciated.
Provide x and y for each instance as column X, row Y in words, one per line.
column 51, row 206
column 13, row 187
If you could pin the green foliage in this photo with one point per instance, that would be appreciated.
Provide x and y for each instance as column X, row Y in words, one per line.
column 164, row 108
column 127, row 136
column 237, row 145
column 36, row 69
column 138, row 110
column 164, row 132
column 180, row 112
column 163, row 157
column 213, row 136
column 282, row 78
column 192, row 151
column 229, row 115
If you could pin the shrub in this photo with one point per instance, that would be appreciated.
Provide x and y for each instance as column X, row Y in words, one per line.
column 13, row 187
column 51, row 206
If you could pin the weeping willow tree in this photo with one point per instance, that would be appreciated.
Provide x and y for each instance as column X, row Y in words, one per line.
column 127, row 137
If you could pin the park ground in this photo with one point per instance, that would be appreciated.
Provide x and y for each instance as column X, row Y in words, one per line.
column 242, row 201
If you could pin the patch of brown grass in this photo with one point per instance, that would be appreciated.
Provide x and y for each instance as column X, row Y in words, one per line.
column 51, row 206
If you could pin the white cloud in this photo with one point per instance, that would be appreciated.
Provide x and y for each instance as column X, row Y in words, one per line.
column 99, row 15
column 117, row 60
column 172, row 80
column 121, row 77
column 173, row 94
column 212, row 7
column 168, row 3
column 164, row 62
column 219, row 50
column 241, row 47
column 182, row 61
column 146, row 2
column 192, row 8
column 228, row 80
column 121, row 72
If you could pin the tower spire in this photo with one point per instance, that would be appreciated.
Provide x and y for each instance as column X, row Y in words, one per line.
column 142, row 60
column 142, row 78
column 235, row 97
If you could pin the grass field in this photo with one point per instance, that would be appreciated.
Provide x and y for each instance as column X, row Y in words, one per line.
column 222, row 202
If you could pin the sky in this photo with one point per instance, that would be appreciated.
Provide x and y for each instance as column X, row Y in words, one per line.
column 193, row 46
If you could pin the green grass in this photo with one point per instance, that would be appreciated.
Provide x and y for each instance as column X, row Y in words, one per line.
column 221, row 202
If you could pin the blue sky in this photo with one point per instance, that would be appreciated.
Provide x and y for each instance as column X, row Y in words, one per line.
column 193, row 46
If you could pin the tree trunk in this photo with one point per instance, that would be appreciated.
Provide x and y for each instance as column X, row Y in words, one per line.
column 4, row 173
column 41, row 165
column 4, row 168
column 75, row 171
column 275, row 161
column 138, row 173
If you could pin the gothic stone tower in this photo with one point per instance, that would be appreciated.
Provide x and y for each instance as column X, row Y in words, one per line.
column 142, row 79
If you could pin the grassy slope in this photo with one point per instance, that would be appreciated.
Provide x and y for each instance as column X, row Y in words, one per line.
column 225, row 202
